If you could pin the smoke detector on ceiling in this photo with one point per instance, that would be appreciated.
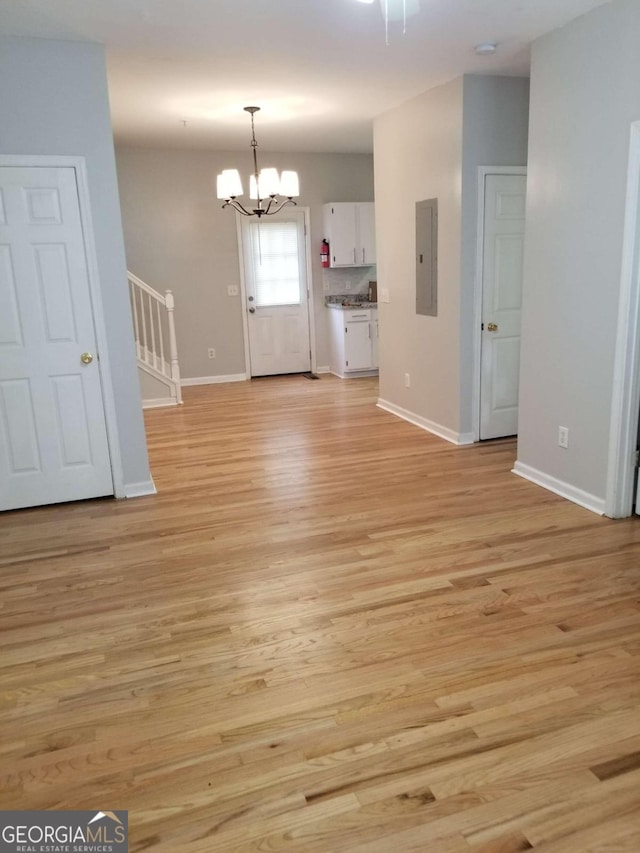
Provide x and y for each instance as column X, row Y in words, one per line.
column 486, row 49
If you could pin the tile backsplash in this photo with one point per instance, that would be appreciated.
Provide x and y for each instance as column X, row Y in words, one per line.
column 335, row 281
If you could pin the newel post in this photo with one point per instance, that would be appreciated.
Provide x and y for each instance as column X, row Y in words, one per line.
column 173, row 345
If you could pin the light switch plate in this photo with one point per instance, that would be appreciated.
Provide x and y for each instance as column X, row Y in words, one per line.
column 383, row 296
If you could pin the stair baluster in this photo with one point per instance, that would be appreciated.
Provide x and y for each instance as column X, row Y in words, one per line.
column 154, row 330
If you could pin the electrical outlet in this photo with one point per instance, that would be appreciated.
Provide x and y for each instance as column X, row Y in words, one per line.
column 347, row 285
column 563, row 436
column 407, row 380
column 211, row 352
column 233, row 290
column 326, row 286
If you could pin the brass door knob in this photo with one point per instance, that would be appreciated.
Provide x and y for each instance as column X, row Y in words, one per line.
column 86, row 358
column 492, row 327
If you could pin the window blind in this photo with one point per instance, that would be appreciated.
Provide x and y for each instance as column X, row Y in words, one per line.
column 274, row 252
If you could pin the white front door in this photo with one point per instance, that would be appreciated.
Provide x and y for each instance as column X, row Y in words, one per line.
column 277, row 294
column 504, row 228
column 53, row 439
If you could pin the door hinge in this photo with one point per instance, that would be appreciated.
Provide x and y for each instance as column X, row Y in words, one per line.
column 482, row 327
column 636, row 459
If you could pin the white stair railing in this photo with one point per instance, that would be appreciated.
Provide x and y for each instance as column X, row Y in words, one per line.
column 155, row 333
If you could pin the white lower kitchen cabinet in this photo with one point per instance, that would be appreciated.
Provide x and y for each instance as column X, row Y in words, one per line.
column 374, row 338
column 354, row 342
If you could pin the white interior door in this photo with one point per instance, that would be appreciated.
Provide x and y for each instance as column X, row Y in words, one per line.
column 504, row 228
column 636, row 470
column 53, row 439
column 277, row 294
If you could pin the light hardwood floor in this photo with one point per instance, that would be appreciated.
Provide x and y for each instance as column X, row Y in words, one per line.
column 329, row 631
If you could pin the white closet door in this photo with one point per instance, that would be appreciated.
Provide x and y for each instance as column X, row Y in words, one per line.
column 504, row 230
column 53, row 439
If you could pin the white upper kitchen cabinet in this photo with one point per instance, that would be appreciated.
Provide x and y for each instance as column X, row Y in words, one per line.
column 350, row 229
column 366, row 229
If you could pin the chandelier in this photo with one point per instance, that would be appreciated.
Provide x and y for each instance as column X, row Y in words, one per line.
column 264, row 186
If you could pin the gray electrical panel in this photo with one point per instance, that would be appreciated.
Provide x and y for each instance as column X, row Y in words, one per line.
column 427, row 257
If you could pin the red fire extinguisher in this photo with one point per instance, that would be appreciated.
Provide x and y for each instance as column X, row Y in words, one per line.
column 324, row 253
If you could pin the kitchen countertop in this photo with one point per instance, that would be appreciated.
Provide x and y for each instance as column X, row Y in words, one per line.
column 351, row 306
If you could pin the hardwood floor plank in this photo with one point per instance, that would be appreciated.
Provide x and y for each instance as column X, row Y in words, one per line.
column 329, row 631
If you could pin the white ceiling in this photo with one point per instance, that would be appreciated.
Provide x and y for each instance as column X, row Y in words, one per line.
column 320, row 69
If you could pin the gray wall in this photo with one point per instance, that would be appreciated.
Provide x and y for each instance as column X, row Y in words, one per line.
column 178, row 237
column 585, row 92
column 53, row 100
column 495, row 133
column 418, row 155
column 431, row 147
column 152, row 388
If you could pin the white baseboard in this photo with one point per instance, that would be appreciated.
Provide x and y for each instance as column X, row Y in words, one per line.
column 139, row 490
column 159, row 403
column 214, row 380
column 559, row 487
column 466, row 438
column 356, row 374
column 324, row 369
column 457, row 438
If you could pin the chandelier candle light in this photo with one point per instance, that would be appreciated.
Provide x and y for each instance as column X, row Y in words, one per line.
column 265, row 186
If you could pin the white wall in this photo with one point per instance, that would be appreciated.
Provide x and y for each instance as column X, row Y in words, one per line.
column 53, row 100
column 178, row 237
column 431, row 147
column 585, row 93
column 418, row 155
column 495, row 133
